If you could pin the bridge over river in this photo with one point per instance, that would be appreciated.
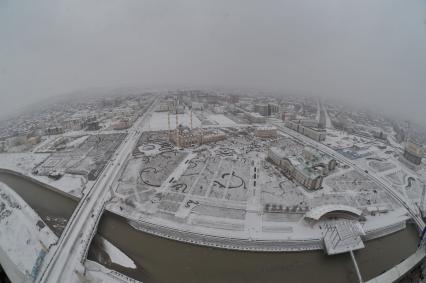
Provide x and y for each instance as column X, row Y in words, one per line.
column 163, row 260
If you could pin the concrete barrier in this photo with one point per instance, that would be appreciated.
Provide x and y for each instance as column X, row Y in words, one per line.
column 395, row 273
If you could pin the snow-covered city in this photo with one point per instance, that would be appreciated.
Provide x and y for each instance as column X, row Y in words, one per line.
column 213, row 141
column 242, row 173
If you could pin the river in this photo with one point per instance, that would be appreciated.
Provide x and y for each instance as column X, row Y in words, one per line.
column 55, row 209
column 162, row 260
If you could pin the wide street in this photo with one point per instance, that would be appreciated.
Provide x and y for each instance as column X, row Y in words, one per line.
column 414, row 212
column 66, row 263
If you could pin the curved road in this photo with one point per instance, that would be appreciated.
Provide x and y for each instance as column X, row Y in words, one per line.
column 413, row 210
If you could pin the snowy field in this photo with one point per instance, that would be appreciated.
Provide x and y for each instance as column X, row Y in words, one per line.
column 341, row 140
column 221, row 120
column 71, row 184
column 21, row 162
column 24, row 163
column 381, row 166
column 116, row 255
column 24, row 238
column 363, row 191
column 159, row 121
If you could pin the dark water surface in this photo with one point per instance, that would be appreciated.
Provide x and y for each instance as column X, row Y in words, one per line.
column 162, row 260
column 54, row 208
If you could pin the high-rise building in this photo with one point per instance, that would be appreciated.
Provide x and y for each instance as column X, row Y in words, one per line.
column 261, row 109
column 273, row 109
column 266, row 109
column 413, row 154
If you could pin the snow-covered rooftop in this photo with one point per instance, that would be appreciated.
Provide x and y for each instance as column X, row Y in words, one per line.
column 317, row 212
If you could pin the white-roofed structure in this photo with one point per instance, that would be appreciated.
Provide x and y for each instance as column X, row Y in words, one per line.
column 342, row 236
column 342, row 211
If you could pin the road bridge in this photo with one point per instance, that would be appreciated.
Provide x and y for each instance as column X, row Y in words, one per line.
column 66, row 264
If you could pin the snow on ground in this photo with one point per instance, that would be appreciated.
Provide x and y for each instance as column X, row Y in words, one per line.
column 99, row 273
column 45, row 141
column 21, row 162
column 24, row 238
column 116, row 255
column 68, row 183
column 394, row 143
column 77, row 142
column 159, row 121
column 24, row 163
column 221, row 212
column 338, row 139
column 221, row 120
column 328, row 123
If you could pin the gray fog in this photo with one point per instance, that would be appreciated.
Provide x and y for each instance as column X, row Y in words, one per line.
column 368, row 52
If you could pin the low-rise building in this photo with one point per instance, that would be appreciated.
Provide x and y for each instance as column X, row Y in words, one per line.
column 93, row 126
column 34, row 140
column 309, row 123
column 178, row 109
column 124, row 111
column 54, row 131
column 91, row 118
column 121, row 124
column 304, row 127
column 314, row 133
column 255, row 117
column 218, row 109
column 320, row 161
column 162, row 107
column 197, row 106
column 265, row 132
column 380, row 135
column 185, row 137
column 73, row 124
column 293, row 168
column 233, row 99
column 308, row 169
column 3, row 146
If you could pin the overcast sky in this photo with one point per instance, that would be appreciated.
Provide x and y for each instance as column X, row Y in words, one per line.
column 362, row 50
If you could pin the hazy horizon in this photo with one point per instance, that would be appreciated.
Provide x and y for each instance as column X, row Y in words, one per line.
column 362, row 52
